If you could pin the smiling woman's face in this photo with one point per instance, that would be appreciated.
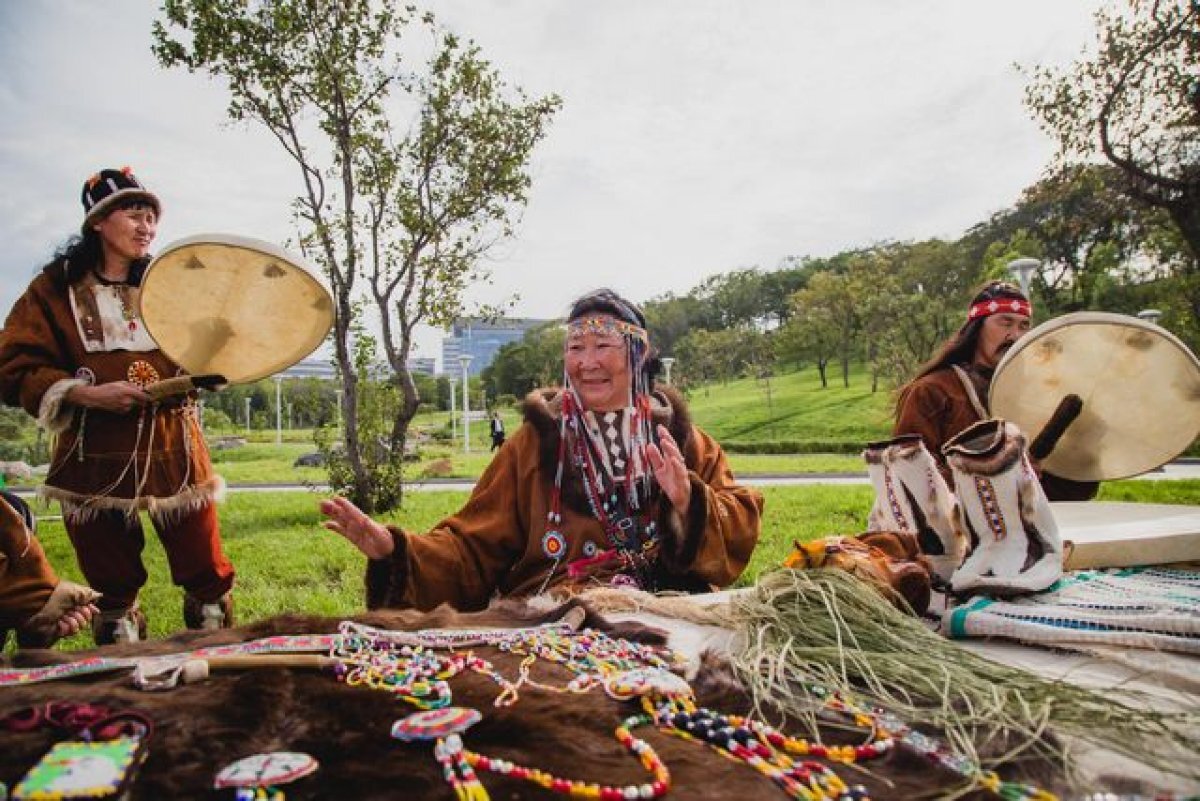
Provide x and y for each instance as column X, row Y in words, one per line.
column 598, row 365
column 128, row 232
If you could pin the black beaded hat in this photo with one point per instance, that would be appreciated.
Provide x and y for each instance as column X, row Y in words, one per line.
column 107, row 189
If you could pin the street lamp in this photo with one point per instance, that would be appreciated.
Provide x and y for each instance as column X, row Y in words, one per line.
column 247, row 399
column 453, row 417
column 278, row 410
column 464, row 361
column 667, row 361
column 1151, row 316
column 1022, row 269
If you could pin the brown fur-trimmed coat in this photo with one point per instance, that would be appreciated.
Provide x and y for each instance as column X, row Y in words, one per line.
column 493, row 545
column 43, row 350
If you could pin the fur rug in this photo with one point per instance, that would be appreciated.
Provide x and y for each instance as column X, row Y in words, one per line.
column 202, row 727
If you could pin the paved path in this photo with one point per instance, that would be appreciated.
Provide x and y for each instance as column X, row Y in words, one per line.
column 1175, row 470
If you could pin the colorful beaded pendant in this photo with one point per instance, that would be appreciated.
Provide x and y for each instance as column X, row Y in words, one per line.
column 649, row 681
column 257, row 777
column 435, row 724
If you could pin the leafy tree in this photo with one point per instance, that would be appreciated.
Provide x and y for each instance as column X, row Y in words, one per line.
column 670, row 317
column 536, row 360
column 1135, row 102
column 706, row 355
column 827, row 321
column 406, row 204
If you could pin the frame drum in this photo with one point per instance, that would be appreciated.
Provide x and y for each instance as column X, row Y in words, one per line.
column 1139, row 384
column 234, row 306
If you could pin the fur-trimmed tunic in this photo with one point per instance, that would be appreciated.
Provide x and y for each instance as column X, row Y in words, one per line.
column 494, row 544
column 57, row 337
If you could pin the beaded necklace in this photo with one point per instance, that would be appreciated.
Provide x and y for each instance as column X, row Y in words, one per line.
column 405, row 664
column 620, row 504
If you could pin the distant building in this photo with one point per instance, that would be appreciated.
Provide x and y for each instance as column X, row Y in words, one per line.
column 481, row 340
column 422, row 365
column 311, row 368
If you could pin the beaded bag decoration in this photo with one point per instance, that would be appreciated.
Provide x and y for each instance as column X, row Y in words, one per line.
column 609, row 456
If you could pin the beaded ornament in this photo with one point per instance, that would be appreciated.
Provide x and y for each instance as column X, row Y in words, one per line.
column 257, row 777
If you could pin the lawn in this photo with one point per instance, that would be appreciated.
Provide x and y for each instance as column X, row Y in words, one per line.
column 287, row 563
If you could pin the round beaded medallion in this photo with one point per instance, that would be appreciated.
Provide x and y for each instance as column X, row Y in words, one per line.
column 264, row 770
column 434, row 724
column 650, row 681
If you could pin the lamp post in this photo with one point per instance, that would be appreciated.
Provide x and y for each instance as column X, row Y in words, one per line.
column 247, row 400
column 464, row 361
column 1022, row 269
column 278, row 410
column 1151, row 316
column 667, row 361
column 453, row 417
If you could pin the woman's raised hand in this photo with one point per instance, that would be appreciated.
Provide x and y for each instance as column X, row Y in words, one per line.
column 372, row 538
column 666, row 460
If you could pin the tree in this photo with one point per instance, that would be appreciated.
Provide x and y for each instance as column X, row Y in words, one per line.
column 407, row 205
column 826, row 322
column 670, row 317
column 536, row 360
column 1135, row 102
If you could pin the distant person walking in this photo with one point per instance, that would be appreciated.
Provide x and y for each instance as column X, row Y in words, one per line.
column 497, row 431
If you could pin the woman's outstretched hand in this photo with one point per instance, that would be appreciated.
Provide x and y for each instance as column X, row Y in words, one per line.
column 372, row 538
column 666, row 460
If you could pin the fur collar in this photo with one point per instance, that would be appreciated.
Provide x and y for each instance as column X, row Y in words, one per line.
column 543, row 410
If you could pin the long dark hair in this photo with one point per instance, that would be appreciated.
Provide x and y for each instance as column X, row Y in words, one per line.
column 605, row 301
column 960, row 348
column 84, row 252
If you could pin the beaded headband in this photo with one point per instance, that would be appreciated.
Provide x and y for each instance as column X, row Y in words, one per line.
column 986, row 308
column 605, row 326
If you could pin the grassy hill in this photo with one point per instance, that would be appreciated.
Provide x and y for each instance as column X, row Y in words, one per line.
column 797, row 414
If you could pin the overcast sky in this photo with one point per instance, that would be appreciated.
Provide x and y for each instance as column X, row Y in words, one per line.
column 696, row 136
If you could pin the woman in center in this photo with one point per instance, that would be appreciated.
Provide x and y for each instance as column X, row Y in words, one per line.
column 607, row 482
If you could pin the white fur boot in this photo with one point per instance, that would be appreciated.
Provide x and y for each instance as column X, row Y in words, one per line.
column 1015, row 546
column 912, row 496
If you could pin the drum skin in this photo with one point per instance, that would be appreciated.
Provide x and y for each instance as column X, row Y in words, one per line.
column 234, row 306
column 1139, row 384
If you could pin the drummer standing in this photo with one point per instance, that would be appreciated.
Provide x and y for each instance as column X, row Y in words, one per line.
column 949, row 393
column 75, row 354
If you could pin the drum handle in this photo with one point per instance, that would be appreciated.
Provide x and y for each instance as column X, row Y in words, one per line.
column 1068, row 409
column 183, row 384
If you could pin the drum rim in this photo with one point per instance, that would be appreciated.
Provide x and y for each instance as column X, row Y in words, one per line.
column 1093, row 318
column 310, row 344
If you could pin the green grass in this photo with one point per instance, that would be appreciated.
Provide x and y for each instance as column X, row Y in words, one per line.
column 287, row 563
column 799, row 409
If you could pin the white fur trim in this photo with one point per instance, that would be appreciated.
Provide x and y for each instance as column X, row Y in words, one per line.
column 54, row 413
column 1001, row 500
column 905, row 476
column 83, row 507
